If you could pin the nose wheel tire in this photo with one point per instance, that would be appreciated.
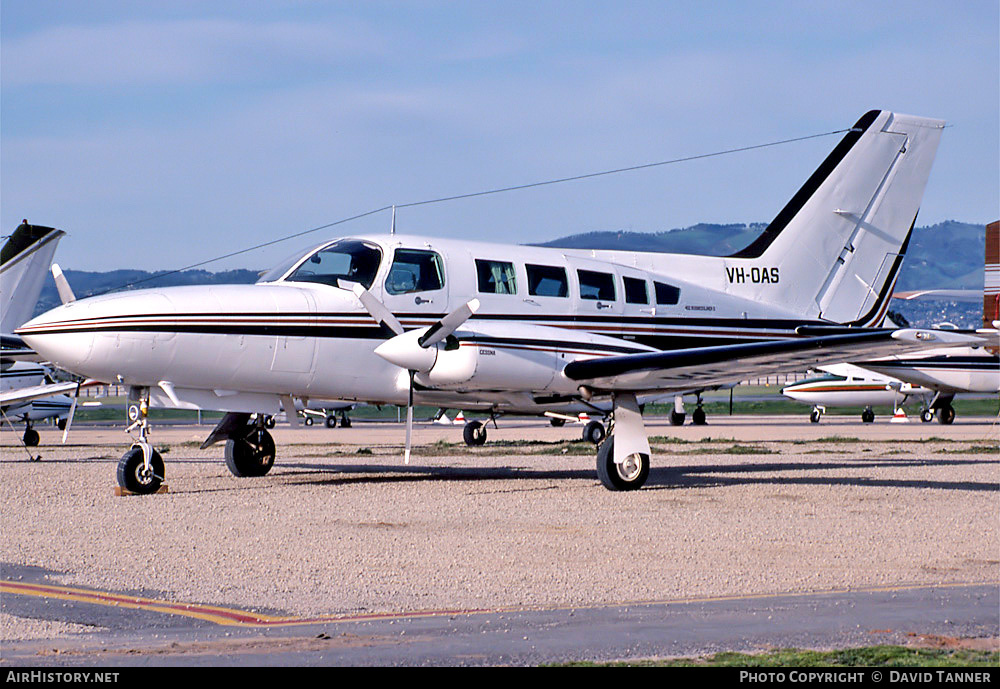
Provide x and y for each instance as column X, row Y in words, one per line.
column 629, row 475
column 474, row 433
column 593, row 432
column 814, row 416
column 250, row 456
column 30, row 437
column 133, row 475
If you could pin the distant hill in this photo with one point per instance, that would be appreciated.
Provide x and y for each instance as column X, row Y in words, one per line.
column 946, row 255
column 87, row 284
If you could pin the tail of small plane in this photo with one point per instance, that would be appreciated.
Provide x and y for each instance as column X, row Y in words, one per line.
column 24, row 261
column 835, row 249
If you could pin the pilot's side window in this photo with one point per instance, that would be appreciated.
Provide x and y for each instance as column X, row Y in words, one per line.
column 496, row 277
column 667, row 294
column 547, row 281
column 414, row 270
column 349, row 260
column 594, row 285
column 635, row 291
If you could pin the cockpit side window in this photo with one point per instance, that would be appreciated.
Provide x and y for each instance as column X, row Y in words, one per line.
column 350, row 260
column 415, row 270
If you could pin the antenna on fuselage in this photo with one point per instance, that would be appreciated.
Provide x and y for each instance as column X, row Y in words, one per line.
column 392, row 228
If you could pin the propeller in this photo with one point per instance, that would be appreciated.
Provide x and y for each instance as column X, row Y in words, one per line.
column 412, row 350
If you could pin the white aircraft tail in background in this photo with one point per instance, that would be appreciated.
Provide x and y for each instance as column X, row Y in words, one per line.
column 24, row 261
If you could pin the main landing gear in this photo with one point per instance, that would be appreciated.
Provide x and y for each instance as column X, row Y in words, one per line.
column 677, row 415
column 250, row 448
column 623, row 459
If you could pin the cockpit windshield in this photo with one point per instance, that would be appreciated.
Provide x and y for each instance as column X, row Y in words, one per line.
column 351, row 260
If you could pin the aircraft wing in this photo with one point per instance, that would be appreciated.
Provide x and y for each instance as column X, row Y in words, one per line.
column 701, row 367
column 34, row 392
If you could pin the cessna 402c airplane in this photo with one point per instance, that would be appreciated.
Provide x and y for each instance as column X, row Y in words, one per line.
column 396, row 319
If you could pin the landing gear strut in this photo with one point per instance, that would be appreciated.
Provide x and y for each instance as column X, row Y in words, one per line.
column 141, row 469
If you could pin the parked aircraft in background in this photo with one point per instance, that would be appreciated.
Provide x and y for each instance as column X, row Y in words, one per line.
column 937, row 375
column 846, row 385
column 26, row 391
column 498, row 328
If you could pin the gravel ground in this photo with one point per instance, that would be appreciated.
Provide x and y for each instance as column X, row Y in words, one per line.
column 333, row 530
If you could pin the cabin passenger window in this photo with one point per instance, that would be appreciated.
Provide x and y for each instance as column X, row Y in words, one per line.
column 496, row 277
column 547, row 281
column 667, row 294
column 414, row 270
column 635, row 291
column 594, row 285
column 348, row 259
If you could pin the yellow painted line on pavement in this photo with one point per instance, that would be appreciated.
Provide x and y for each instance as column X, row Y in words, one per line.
column 242, row 618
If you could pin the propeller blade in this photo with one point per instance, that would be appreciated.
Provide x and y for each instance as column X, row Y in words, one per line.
column 409, row 421
column 377, row 310
column 449, row 324
column 72, row 412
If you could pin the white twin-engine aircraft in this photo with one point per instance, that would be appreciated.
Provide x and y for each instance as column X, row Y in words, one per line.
column 397, row 319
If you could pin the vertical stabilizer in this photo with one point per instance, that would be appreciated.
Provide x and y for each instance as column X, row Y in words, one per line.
column 838, row 244
column 991, row 282
column 24, row 261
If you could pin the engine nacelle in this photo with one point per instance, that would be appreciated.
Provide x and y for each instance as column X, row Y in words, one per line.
column 514, row 357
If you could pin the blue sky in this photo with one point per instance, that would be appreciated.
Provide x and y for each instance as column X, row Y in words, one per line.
column 159, row 134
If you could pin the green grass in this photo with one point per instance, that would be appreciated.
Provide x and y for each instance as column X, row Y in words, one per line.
column 867, row 657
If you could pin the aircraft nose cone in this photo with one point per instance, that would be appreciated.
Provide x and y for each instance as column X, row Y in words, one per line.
column 53, row 336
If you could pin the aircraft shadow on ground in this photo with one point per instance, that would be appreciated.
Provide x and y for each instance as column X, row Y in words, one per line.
column 668, row 477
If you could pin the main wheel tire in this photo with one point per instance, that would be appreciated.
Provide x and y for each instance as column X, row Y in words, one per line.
column 345, row 422
column 698, row 417
column 946, row 415
column 926, row 415
column 557, row 422
column 594, row 432
column 308, row 421
column 331, row 421
column 629, row 475
column 474, row 433
column 867, row 416
column 30, row 437
column 250, row 456
column 61, row 424
column 814, row 416
column 677, row 418
column 132, row 474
